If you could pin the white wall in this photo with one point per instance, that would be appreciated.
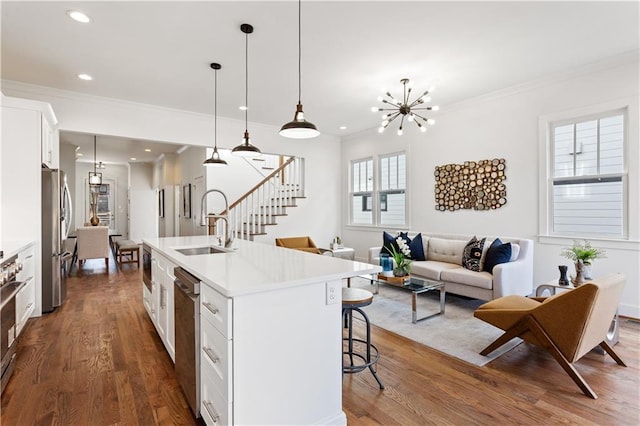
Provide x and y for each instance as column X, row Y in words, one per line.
column 90, row 114
column 505, row 125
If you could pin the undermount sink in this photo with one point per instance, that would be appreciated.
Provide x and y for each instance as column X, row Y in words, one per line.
column 193, row 251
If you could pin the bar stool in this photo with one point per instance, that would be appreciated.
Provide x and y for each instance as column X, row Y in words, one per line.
column 352, row 300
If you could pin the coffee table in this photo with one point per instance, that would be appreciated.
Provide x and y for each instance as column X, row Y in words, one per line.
column 417, row 286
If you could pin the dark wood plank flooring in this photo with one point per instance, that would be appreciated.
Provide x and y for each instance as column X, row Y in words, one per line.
column 97, row 360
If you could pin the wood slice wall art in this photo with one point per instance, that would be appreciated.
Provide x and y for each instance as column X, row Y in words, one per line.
column 477, row 185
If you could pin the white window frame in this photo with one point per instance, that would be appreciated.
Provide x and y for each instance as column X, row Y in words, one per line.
column 370, row 194
column 377, row 192
column 547, row 161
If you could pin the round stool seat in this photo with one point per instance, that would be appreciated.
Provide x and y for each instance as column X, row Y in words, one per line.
column 355, row 297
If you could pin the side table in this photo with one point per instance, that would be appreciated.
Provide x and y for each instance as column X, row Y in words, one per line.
column 613, row 334
column 344, row 253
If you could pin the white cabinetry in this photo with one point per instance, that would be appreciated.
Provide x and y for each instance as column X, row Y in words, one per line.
column 23, row 128
column 26, row 297
column 50, row 144
column 216, row 357
column 159, row 303
column 253, row 375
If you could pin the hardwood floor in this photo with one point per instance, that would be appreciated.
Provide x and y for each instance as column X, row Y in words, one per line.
column 97, row 360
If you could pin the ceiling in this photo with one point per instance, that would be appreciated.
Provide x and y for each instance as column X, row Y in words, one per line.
column 158, row 52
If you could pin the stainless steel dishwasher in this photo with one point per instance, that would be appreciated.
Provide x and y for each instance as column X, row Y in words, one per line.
column 187, row 329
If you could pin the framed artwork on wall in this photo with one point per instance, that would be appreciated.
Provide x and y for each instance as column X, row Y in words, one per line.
column 186, row 200
column 161, row 203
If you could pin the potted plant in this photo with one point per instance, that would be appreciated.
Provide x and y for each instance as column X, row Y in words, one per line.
column 401, row 257
column 583, row 254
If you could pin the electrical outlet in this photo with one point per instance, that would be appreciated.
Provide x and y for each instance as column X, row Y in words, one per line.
column 334, row 292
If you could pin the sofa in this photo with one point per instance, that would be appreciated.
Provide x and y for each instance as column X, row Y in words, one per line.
column 444, row 263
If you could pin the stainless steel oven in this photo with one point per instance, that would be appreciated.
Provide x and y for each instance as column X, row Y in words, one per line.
column 9, row 287
column 146, row 267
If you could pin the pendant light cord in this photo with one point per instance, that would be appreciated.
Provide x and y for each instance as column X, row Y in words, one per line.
column 94, row 154
column 246, row 81
column 215, row 110
column 299, row 50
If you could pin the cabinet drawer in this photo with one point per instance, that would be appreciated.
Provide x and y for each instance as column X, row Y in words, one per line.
column 217, row 309
column 214, row 409
column 216, row 357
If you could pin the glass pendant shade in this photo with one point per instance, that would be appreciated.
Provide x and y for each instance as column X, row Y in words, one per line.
column 245, row 149
column 95, row 178
column 299, row 128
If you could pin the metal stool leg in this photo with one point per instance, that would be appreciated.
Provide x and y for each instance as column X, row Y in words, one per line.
column 370, row 358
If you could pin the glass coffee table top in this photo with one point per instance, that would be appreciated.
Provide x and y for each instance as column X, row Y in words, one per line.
column 416, row 286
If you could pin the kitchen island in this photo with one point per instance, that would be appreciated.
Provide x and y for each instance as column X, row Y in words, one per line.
column 271, row 336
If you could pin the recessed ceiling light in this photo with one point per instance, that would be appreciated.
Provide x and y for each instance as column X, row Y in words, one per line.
column 133, row 158
column 147, row 150
column 342, row 127
column 79, row 154
column 85, row 77
column 78, row 16
column 243, row 108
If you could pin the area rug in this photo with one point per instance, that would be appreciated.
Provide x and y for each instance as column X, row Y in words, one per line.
column 457, row 333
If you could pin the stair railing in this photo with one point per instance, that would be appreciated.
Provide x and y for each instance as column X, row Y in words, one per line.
column 266, row 200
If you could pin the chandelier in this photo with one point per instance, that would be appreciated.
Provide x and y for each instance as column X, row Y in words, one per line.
column 404, row 109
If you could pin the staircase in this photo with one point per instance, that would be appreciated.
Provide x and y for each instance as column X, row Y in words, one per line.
column 260, row 207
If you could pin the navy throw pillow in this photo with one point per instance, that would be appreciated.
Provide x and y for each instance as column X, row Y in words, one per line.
column 389, row 241
column 498, row 253
column 417, row 249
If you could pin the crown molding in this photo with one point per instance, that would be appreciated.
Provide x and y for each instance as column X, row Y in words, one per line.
column 611, row 62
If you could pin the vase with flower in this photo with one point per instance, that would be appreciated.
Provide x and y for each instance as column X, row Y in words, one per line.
column 401, row 257
column 582, row 256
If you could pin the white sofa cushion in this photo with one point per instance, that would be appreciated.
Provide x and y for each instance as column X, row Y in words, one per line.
column 431, row 269
column 515, row 251
column 467, row 277
column 443, row 250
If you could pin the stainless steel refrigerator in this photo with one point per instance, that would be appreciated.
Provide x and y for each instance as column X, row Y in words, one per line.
column 56, row 221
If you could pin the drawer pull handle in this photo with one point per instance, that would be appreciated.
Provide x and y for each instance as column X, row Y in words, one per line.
column 212, row 355
column 212, row 413
column 212, row 308
column 28, row 257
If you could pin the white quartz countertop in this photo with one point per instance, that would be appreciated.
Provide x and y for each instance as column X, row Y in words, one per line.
column 254, row 267
column 11, row 248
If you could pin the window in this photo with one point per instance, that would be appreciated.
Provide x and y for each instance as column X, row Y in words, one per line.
column 362, row 192
column 388, row 187
column 393, row 182
column 588, row 176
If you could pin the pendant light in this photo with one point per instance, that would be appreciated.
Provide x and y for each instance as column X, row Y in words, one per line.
column 245, row 149
column 299, row 128
column 95, row 178
column 215, row 160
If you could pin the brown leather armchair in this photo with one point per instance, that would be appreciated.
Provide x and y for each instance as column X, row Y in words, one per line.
column 302, row 243
column 568, row 324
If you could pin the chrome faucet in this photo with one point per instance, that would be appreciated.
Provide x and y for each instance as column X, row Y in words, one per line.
column 204, row 216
